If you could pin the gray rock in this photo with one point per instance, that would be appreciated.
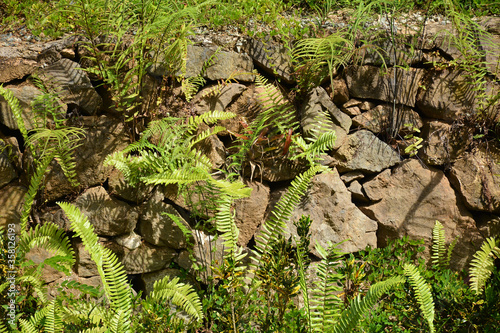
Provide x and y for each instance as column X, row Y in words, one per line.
column 207, row 252
column 385, row 52
column 273, row 58
column 218, row 66
column 313, row 110
column 409, row 199
column 364, row 152
column 352, row 176
column 396, row 84
column 217, row 97
column 131, row 241
column 147, row 258
column 475, row 176
column 159, row 229
column 110, row 217
column 72, row 85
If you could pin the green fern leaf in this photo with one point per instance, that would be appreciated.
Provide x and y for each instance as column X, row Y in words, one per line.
column 422, row 292
column 360, row 307
column 482, row 264
column 53, row 323
column 180, row 294
column 438, row 245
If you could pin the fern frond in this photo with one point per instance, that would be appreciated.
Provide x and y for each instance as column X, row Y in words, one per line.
column 422, row 292
column 205, row 134
column 325, row 304
column 482, row 264
column 37, row 285
column 35, row 184
column 180, row 294
column 111, row 271
column 208, row 118
column 225, row 224
column 53, row 322
column 27, row 327
column 191, row 85
column 313, row 150
column 275, row 225
column 16, row 111
column 359, row 307
column 438, row 246
column 51, row 238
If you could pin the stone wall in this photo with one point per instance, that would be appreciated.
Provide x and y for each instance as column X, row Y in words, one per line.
column 374, row 193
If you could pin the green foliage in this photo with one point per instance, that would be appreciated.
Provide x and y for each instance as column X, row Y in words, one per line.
column 483, row 263
column 422, row 293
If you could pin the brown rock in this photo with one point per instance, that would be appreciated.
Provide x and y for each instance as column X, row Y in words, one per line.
column 475, row 176
column 273, row 58
column 249, row 212
column 370, row 82
column 110, row 217
column 409, row 199
column 383, row 118
column 147, row 258
column 12, row 199
column 335, row 218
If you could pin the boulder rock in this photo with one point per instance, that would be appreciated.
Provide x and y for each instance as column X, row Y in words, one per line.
column 157, row 228
column 316, row 105
column 110, row 217
column 335, row 218
column 449, row 95
column 12, row 199
column 475, row 176
column 370, row 82
column 217, row 97
column 271, row 57
column 443, row 142
column 409, row 199
column 72, row 85
column 53, row 292
column 104, row 136
column 131, row 241
column 16, row 63
column 207, row 251
column 26, row 95
column 249, row 212
column 212, row 65
column 121, row 188
column 7, row 171
column 364, row 152
column 488, row 224
column 38, row 255
column 147, row 258
column 85, row 266
column 340, row 93
column 383, row 118
column 387, row 52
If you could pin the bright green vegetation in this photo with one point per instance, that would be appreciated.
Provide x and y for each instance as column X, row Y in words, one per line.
column 276, row 287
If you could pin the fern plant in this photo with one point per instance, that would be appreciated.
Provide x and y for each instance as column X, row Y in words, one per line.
column 440, row 256
column 482, row 264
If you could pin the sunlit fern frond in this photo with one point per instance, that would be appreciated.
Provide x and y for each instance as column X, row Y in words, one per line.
column 35, row 184
column 422, row 292
column 53, row 321
column 275, row 225
column 51, row 238
column 205, row 134
column 313, row 150
column 482, row 264
column 37, row 285
column 325, row 304
column 179, row 294
column 111, row 271
column 16, row 111
column 438, row 245
column 209, row 118
column 359, row 307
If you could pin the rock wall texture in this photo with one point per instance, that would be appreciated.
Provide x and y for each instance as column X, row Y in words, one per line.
column 374, row 192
